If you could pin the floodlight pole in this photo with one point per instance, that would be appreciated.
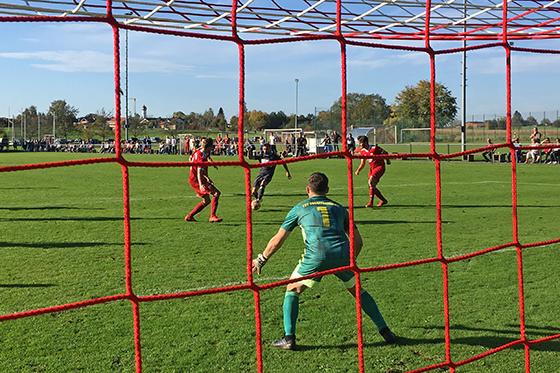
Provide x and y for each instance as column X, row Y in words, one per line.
column 296, row 118
column 125, row 84
column 38, row 126
column 133, row 106
column 464, row 86
column 54, row 126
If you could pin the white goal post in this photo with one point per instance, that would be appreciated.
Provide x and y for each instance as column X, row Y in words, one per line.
column 284, row 133
column 415, row 134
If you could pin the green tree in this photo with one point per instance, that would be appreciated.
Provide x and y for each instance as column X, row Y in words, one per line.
column 233, row 121
column 277, row 120
column 517, row 119
column 531, row 121
column 101, row 124
column 255, row 120
column 65, row 116
column 29, row 116
column 220, row 121
column 207, row 118
column 364, row 110
column 412, row 106
column 546, row 122
column 180, row 120
column 137, row 127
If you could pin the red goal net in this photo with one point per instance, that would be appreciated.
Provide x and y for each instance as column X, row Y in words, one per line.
column 396, row 25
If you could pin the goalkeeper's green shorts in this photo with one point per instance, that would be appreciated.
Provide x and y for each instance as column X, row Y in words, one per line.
column 306, row 268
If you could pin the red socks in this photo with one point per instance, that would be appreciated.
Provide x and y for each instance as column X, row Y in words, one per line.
column 198, row 208
column 214, row 206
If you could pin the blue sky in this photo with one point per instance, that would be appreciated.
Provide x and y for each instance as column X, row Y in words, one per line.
column 44, row 62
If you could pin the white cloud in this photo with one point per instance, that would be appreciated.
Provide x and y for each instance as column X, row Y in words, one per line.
column 375, row 61
column 92, row 62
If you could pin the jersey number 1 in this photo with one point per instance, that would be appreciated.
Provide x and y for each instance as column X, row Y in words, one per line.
column 325, row 215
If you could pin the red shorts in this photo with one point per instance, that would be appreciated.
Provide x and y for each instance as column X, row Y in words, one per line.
column 376, row 173
column 209, row 188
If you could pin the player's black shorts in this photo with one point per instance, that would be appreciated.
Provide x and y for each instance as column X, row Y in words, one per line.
column 263, row 179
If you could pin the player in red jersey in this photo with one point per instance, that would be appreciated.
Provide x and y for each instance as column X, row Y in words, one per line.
column 376, row 169
column 201, row 183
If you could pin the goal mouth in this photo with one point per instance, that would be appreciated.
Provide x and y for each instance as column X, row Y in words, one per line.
column 360, row 20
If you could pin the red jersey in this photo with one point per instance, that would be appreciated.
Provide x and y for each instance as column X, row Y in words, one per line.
column 198, row 156
column 375, row 162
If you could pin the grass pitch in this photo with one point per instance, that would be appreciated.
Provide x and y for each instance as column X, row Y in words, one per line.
column 62, row 242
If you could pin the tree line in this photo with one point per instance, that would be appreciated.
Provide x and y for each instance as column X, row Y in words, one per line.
column 517, row 120
column 411, row 108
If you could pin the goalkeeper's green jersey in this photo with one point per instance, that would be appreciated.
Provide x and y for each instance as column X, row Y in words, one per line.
column 323, row 224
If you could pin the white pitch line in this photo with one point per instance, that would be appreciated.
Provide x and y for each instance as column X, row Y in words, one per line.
column 188, row 195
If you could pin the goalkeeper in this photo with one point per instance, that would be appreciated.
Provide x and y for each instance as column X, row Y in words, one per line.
column 325, row 228
column 265, row 175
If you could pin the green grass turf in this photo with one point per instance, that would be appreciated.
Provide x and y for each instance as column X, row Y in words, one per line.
column 62, row 237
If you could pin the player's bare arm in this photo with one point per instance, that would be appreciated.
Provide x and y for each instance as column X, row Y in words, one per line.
column 202, row 178
column 361, row 166
column 273, row 245
column 212, row 160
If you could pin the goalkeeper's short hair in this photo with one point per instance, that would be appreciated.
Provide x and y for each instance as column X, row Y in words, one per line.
column 318, row 183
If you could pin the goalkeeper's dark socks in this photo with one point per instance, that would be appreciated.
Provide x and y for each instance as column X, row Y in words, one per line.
column 388, row 335
column 290, row 310
column 370, row 308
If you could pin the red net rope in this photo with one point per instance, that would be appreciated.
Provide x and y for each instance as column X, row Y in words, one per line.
column 427, row 33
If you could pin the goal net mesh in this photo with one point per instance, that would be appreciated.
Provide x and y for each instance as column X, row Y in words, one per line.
column 410, row 26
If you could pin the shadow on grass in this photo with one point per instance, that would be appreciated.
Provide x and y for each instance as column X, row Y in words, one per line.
column 432, row 206
column 49, row 208
column 243, row 223
column 514, row 329
column 8, row 286
column 367, row 222
column 26, row 188
column 484, row 341
column 81, row 218
column 61, row 245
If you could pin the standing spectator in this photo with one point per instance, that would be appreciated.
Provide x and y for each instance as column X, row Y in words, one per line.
column 301, row 142
column 535, row 135
column 326, row 142
column 272, row 142
column 350, row 143
column 488, row 154
column 174, row 148
column 335, row 140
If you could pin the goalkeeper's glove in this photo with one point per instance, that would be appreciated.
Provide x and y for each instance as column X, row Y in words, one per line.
column 258, row 263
